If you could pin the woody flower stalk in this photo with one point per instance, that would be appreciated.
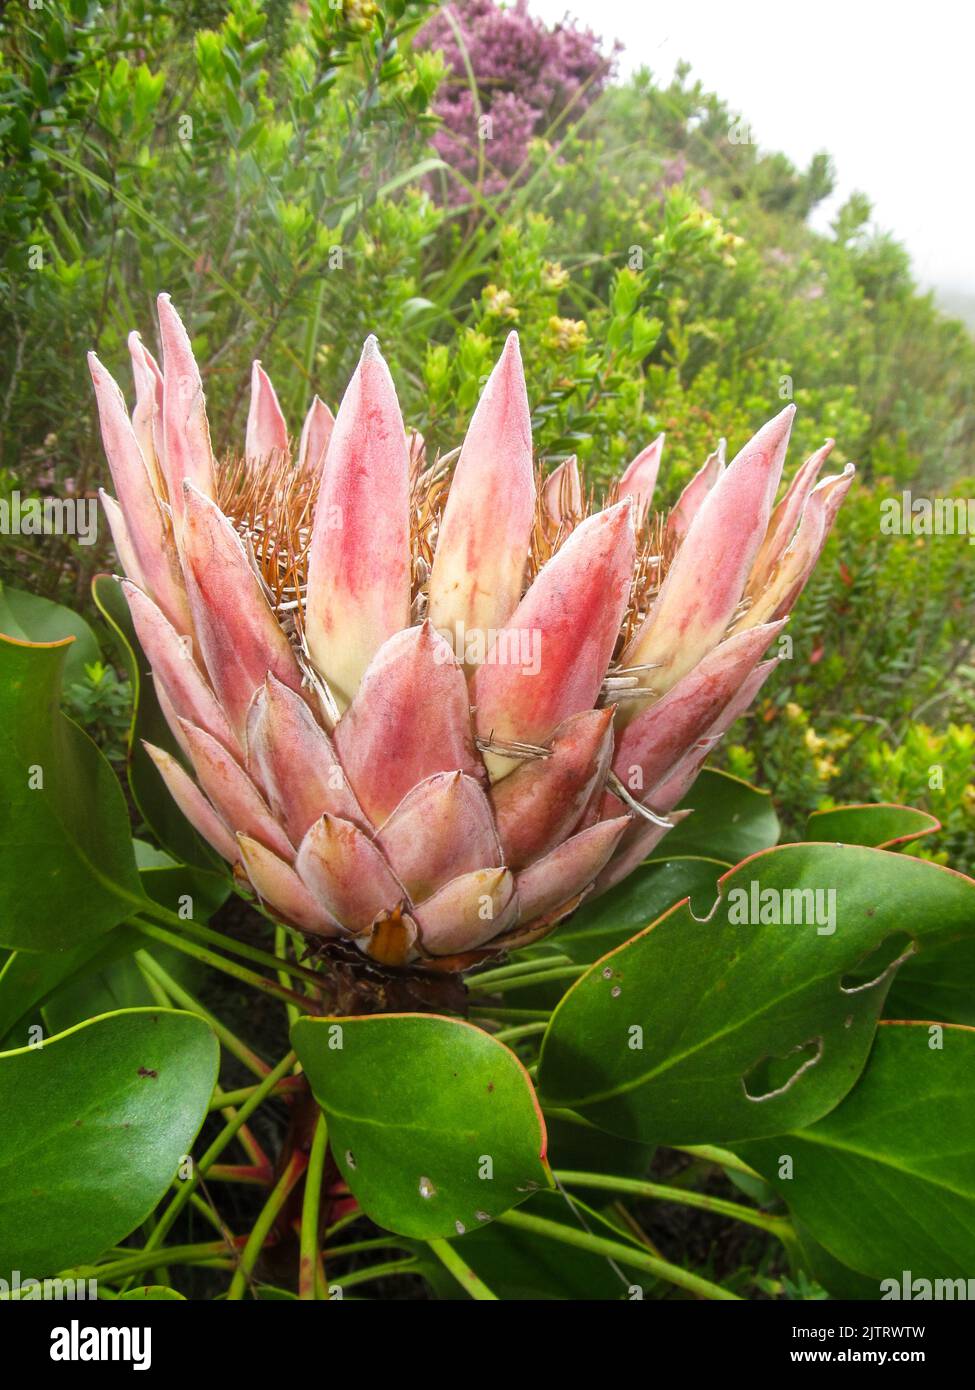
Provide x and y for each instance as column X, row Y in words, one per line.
column 429, row 706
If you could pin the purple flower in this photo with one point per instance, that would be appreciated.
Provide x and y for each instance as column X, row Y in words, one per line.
column 528, row 76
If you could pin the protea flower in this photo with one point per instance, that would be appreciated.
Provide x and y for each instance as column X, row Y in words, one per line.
column 430, row 706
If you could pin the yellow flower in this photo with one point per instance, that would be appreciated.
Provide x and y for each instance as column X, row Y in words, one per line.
column 498, row 302
column 814, row 743
column 554, row 276
column 826, row 768
column 566, row 335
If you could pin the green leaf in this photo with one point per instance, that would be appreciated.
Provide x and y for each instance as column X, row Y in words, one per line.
column 886, row 1182
column 67, row 871
column 882, row 825
column 182, row 888
column 33, row 619
column 149, row 793
column 433, row 1123
column 640, row 899
column 731, row 820
column 96, row 1123
column 733, row 1028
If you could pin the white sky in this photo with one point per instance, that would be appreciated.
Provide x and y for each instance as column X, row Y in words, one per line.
column 887, row 89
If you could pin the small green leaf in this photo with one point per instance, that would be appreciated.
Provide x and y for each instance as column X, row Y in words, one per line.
column 96, row 1123
column 886, row 1181
column 67, row 871
column 882, row 825
column 760, row 1017
column 731, row 820
column 433, row 1123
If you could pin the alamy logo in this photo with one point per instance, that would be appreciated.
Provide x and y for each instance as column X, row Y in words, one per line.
column 908, row 515
column 21, row 1289
column 922, row 1290
column 77, row 1343
column 756, row 906
column 49, row 516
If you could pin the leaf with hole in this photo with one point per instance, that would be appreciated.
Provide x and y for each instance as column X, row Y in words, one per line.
column 758, row 1018
column 433, row 1123
column 886, row 1181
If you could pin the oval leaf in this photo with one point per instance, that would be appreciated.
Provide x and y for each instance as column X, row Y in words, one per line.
column 433, row 1123
column 882, row 825
column 95, row 1123
column 743, row 1025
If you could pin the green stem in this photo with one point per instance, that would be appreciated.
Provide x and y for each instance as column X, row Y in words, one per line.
column 281, row 955
column 141, row 1260
column 262, row 1226
column 661, row 1192
column 256, row 1174
column 503, row 1015
column 310, row 1207
column 358, row 1246
column 521, row 967
column 724, row 1158
column 182, row 996
column 343, row 1223
column 560, row 972
column 229, row 967
column 227, row 943
column 152, row 984
column 208, row 1214
column 521, row 1030
column 461, row 1271
column 290, row 1086
column 616, row 1250
column 184, row 1193
column 362, row 1276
